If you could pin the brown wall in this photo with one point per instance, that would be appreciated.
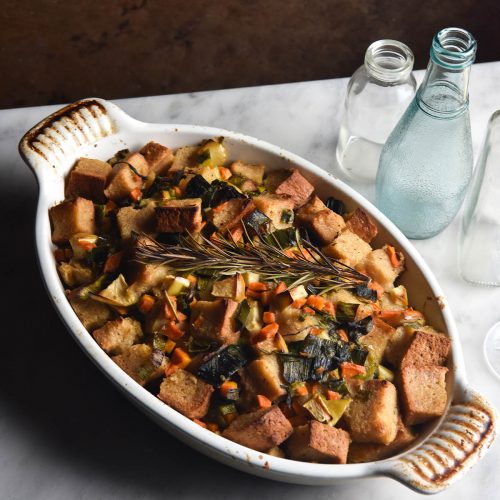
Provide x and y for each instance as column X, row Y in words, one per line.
column 54, row 51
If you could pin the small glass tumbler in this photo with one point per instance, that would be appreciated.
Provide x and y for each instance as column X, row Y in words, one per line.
column 479, row 247
column 377, row 95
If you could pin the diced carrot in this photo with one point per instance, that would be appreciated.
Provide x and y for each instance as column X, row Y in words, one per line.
column 269, row 317
column 316, row 301
column 308, row 310
column 393, row 257
column 179, row 359
column 263, row 402
column 226, row 387
column 329, row 308
column 289, row 253
column 265, row 297
column 315, row 388
column 236, row 233
column 298, row 303
column 349, row 370
column 213, row 427
column 113, row 262
column 378, row 288
column 225, row 173
column 169, row 313
column 170, row 345
column 315, row 330
column 181, row 316
column 253, row 294
column 343, row 335
column 146, row 303
column 110, row 206
column 172, row 331
column 258, row 286
column 301, row 391
column 200, row 423
column 59, row 254
column 177, row 191
column 86, row 244
column 332, row 395
column 392, row 317
column 280, row 288
column 270, row 330
column 192, row 279
column 136, row 194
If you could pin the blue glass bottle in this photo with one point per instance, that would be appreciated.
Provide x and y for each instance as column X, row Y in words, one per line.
column 426, row 163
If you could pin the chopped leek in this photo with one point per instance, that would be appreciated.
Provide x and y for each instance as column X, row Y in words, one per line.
column 336, row 408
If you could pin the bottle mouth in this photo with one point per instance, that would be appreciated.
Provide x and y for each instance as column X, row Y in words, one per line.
column 389, row 60
column 453, row 48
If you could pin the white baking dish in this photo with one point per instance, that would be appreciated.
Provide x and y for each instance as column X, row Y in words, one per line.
column 96, row 128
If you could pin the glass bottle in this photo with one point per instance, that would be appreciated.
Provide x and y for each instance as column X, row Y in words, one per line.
column 426, row 164
column 377, row 95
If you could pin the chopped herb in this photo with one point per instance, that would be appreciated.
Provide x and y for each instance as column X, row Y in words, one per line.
column 222, row 364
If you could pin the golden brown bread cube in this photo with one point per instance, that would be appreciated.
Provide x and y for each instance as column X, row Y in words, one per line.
column 266, row 377
column 248, row 186
column 184, row 157
column 142, row 220
column 294, row 324
column 377, row 265
column 159, row 157
column 123, row 180
column 317, row 442
column 74, row 273
column 91, row 313
column 137, row 362
column 361, row 224
column 228, row 215
column 72, row 217
column 277, row 207
column 215, row 320
column 398, row 345
column 349, row 248
column 186, row 393
column 177, row 216
column 116, row 336
column 254, row 173
column 423, row 393
column 88, row 179
column 427, row 348
column 372, row 416
column 378, row 338
column 291, row 183
column 260, row 430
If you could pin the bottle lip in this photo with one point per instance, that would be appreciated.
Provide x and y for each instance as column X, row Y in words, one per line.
column 453, row 48
column 389, row 60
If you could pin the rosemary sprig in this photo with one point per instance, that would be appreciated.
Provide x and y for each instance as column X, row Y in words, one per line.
column 226, row 257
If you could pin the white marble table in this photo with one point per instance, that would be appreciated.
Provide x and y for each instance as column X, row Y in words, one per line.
column 65, row 433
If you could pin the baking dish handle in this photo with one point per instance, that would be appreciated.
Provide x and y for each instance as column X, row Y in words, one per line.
column 464, row 436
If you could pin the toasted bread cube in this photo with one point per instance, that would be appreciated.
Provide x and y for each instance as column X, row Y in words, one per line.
column 317, row 442
column 427, row 348
column 372, row 416
column 294, row 325
column 253, row 172
column 91, row 313
column 186, row 393
column 398, row 345
column 313, row 205
column 228, row 215
column 116, row 336
column 277, row 207
column 142, row 220
column 147, row 276
column 248, row 186
column 123, row 180
column 74, row 273
column 88, row 179
column 184, row 157
column 348, row 248
column 260, row 430
column 137, row 362
column 361, row 224
column 267, row 378
column 159, row 157
column 378, row 266
column 378, row 338
column 370, row 452
column 71, row 217
column 214, row 320
column 291, row 183
column 177, row 216
column 423, row 390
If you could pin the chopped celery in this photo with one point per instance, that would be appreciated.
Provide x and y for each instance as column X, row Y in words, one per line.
column 385, row 374
column 178, row 286
column 336, row 408
column 317, row 408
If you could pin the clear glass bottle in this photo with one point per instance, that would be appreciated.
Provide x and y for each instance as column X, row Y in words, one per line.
column 377, row 95
column 426, row 164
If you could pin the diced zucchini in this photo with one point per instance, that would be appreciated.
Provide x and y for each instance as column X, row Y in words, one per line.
column 251, row 316
column 213, row 153
column 336, row 408
column 178, row 286
column 385, row 374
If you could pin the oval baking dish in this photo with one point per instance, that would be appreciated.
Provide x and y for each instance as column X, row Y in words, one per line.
column 446, row 449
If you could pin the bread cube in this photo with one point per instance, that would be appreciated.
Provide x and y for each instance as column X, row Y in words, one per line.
column 184, row 157
column 291, row 183
column 139, row 220
column 398, row 345
column 317, row 442
column 260, row 430
column 123, row 180
column 159, row 157
column 361, row 224
column 427, row 348
column 248, row 186
column 74, row 273
column 88, row 179
column 277, row 207
column 215, row 320
column 186, row 393
column 254, row 173
column 91, row 313
column 348, row 248
column 423, row 391
column 294, row 325
column 372, row 416
column 228, row 215
column 266, row 377
column 116, row 336
column 378, row 338
column 378, row 266
column 137, row 362
column 177, row 216
column 72, row 217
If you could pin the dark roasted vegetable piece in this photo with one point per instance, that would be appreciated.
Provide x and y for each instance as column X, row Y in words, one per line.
column 345, row 312
column 218, row 193
column 169, row 238
column 257, row 221
column 223, row 363
column 364, row 292
column 282, row 238
column 356, row 329
column 296, row 368
column 336, row 205
column 196, row 187
column 359, row 355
